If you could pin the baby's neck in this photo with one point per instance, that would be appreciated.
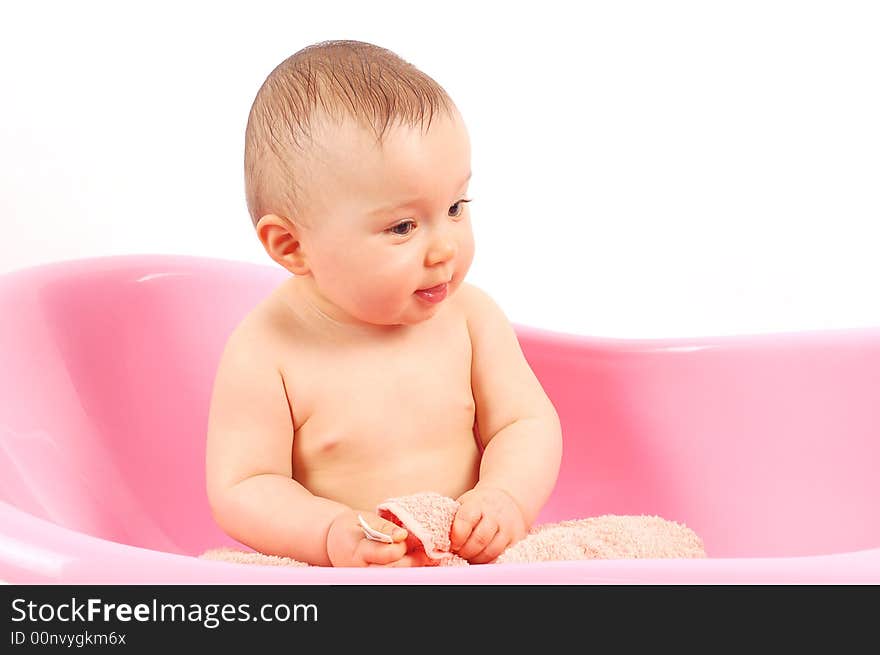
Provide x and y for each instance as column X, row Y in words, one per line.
column 317, row 314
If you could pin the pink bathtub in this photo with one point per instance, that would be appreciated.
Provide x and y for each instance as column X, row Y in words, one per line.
column 767, row 446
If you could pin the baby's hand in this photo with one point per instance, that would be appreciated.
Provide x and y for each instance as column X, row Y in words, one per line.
column 488, row 521
column 348, row 546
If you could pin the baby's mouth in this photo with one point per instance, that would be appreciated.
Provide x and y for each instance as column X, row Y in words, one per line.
column 433, row 294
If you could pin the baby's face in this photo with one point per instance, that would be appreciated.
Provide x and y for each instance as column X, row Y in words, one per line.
column 387, row 223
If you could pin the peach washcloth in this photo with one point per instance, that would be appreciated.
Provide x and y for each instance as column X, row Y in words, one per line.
column 428, row 518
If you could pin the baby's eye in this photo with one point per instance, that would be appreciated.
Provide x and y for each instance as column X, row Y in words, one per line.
column 403, row 228
column 460, row 209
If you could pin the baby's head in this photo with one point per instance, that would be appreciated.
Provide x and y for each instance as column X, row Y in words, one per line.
column 356, row 173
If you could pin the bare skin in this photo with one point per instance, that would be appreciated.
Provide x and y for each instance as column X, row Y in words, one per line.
column 394, row 434
column 347, row 385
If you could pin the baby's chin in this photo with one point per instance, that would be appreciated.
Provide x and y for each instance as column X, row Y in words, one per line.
column 401, row 312
column 416, row 314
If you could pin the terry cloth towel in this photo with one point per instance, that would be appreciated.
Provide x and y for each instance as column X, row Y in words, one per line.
column 428, row 518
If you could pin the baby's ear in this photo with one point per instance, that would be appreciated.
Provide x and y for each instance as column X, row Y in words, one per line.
column 280, row 238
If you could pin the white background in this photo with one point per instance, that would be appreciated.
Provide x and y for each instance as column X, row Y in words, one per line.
column 641, row 169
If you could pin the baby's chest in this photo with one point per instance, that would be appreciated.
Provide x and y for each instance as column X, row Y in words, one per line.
column 415, row 390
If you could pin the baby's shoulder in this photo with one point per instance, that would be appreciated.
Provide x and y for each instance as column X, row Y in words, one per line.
column 486, row 321
column 474, row 302
column 258, row 333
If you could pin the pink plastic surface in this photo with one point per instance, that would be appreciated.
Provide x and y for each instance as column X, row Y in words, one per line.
column 766, row 445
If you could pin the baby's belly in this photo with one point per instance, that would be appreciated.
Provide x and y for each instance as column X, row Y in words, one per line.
column 364, row 481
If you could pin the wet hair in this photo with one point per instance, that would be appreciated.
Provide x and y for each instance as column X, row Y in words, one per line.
column 335, row 81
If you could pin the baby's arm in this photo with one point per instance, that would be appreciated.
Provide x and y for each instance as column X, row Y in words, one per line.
column 252, row 493
column 250, row 487
column 519, row 428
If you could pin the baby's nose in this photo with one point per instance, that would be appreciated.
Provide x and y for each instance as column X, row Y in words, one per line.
column 443, row 245
column 443, row 248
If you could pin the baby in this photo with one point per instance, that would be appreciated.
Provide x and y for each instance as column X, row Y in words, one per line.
column 375, row 370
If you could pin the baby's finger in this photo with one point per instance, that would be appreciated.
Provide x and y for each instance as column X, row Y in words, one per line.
column 498, row 545
column 385, row 527
column 480, row 538
column 466, row 518
column 417, row 558
column 375, row 552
